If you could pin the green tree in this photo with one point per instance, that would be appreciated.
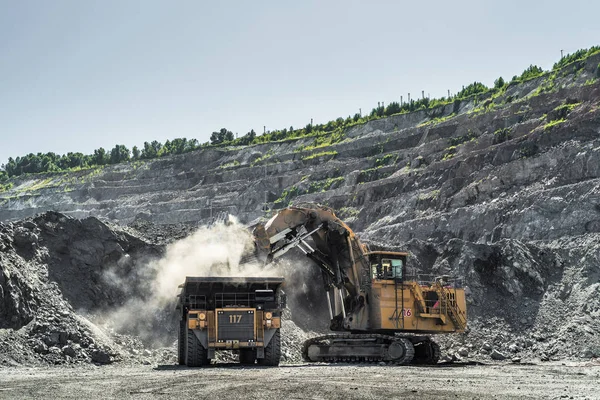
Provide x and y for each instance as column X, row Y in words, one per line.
column 392, row 108
column 192, row 144
column 10, row 167
column 119, row 154
column 221, row 136
column 150, row 150
column 73, row 160
column 100, row 157
column 135, row 153
column 178, row 145
column 473, row 88
column 533, row 71
column 499, row 83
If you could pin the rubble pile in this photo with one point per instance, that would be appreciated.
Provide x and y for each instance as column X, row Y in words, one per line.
column 52, row 273
column 61, row 279
column 292, row 338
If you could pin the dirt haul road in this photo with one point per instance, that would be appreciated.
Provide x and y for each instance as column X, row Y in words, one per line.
column 545, row 381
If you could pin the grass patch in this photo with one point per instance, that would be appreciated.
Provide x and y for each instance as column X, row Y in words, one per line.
column 386, row 160
column 332, row 153
column 324, row 140
column 554, row 123
column 264, row 157
column 4, row 187
column 326, row 184
column 288, row 195
column 502, row 135
column 233, row 163
column 436, row 121
column 434, row 194
column 347, row 212
column 457, row 141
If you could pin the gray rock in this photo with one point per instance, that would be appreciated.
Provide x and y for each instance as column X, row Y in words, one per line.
column 54, row 350
column 41, row 348
column 496, row 355
column 586, row 353
column 487, row 347
column 446, row 358
column 52, row 339
column 69, row 351
column 100, row 356
column 463, row 352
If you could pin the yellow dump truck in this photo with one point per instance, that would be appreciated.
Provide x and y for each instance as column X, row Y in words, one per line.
column 239, row 314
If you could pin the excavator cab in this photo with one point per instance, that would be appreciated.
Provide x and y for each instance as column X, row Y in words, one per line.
column 387, row 266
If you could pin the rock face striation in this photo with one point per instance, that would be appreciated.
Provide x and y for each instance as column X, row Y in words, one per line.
column 501, row 190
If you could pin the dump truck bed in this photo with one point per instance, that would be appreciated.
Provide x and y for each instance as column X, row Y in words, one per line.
column 214, row 292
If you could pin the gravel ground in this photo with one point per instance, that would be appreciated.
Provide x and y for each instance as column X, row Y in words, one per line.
column 505, row 381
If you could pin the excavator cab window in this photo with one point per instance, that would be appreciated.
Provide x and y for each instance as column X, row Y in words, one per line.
column 387, row 269
column 397, row 266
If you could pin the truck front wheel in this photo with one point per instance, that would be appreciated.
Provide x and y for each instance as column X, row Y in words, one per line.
column 272, row 351
column 181, row 342
column 196, row 354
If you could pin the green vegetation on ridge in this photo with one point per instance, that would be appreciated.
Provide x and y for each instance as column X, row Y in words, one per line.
column 325, row 134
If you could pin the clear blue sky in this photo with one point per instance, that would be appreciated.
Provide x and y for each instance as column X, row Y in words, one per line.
column 76, row 75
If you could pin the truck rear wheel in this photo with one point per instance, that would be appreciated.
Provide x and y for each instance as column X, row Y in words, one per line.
column 272, row 351
column 181, row 342
column 247, row 356
column 196, row 354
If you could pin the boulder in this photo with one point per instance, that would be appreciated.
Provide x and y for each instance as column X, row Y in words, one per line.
column 496, row 355
column 100, row 356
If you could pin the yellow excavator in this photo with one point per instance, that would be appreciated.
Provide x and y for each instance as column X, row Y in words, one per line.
column 379, row 311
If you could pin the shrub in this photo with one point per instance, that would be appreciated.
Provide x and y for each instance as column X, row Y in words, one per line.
column 581, row 54
column 533, row 71
column 473, row 88
column 499, row 83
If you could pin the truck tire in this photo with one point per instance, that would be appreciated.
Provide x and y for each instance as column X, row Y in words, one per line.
column 272, row 351
column 196, row 354
column 247, row 356
column 181, row 342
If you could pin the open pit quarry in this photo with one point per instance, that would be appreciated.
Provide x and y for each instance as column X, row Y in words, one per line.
column 502, row 191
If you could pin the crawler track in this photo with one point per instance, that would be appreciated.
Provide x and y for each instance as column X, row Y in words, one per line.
column 367, row 348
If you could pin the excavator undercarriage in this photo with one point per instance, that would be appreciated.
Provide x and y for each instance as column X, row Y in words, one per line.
column 399, row 350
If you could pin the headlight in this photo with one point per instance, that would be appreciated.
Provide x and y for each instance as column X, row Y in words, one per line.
column 202, row 316
column 268, row 315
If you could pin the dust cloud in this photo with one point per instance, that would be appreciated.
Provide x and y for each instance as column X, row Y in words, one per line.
column 214, row 251
column 210, row 251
